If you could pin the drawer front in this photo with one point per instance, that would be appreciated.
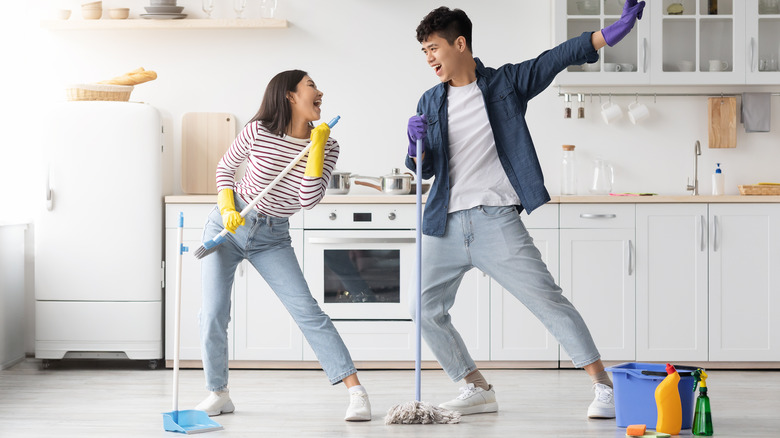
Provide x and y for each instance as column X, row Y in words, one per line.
column 545, row 216
column 195, row 215
column 598, row 215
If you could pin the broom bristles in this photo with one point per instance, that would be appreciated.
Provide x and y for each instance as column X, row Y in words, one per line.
column 417, row 412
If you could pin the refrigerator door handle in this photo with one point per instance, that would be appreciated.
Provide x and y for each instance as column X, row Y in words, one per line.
column 49, row 193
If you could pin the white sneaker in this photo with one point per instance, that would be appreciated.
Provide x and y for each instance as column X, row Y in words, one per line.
column 359, row 407
column 603, row 406
column 217, row 403
column 473, row 400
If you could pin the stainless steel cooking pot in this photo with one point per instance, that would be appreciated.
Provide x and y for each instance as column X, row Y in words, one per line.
column 395, row 183
column 339, row 183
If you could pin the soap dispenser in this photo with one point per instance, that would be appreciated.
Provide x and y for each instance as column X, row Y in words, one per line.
column 718, row 182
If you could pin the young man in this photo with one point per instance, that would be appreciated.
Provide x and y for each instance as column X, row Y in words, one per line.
column 478, row 146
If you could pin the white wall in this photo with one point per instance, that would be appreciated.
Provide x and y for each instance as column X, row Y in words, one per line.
column 364, row 56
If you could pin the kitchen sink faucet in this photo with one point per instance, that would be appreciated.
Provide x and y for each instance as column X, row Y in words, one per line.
column 695, row 186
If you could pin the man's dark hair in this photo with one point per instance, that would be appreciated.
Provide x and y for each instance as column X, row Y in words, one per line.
column 448, row 23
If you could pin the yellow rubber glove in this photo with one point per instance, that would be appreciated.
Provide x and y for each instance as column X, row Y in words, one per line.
column 319, row 136
column 227, row 208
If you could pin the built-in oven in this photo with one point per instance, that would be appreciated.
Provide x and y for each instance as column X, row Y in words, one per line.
column 359, row 259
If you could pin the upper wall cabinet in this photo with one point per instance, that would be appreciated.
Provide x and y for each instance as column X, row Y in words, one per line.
column 678, row 42
column 626, row 63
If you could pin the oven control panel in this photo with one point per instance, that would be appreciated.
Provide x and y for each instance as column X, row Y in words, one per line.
column 361, row 216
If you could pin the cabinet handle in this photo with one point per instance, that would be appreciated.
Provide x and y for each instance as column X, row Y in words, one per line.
column 644, row 55
column 49, row 192
column 715, row 234
column 701, row 230
column 752, row 54
column 630, row 247
column 241, row 269
column 597, row 216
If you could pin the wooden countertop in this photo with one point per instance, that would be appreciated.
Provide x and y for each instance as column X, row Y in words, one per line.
column 410, row 199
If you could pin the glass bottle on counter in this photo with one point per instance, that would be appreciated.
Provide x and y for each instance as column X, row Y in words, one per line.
column 568, row 171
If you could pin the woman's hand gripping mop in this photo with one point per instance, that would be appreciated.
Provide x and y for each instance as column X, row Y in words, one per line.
column 418, row 412
column 211, row 245
column 191, row 420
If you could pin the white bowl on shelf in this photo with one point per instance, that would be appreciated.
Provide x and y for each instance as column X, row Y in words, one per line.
column 119, row 13
column 62, row 14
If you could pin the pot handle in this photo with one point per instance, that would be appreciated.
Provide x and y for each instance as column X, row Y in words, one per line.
column 373, row 186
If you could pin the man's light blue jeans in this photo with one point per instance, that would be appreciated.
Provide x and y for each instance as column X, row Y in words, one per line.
column 494, row 240
column 265, row 242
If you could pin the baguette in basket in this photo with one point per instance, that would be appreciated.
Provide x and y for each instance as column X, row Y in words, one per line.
column 135, row 77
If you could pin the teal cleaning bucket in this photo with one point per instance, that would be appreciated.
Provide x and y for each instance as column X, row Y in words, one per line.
column 634, row 389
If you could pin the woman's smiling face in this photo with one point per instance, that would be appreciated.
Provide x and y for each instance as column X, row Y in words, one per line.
column 306, row 100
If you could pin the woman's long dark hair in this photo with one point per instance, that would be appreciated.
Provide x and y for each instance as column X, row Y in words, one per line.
column 275, row 112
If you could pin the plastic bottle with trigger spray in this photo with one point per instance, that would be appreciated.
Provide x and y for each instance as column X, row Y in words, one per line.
column 667, row 400
column 702, row 417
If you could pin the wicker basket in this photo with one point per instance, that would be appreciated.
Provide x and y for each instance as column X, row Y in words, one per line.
column 760, row 189
column 99, row 92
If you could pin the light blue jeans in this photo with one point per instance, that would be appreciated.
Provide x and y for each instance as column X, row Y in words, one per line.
column 265, row 242
column 494, row 240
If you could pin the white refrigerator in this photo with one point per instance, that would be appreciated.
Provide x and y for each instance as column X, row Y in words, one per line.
column 98, row 235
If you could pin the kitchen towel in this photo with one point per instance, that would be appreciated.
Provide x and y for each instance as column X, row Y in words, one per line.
column 756, row 111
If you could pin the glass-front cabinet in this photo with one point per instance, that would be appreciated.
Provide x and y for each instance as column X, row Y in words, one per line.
column 678, row 42
column 763, row 41
column 697, row 41
column 624, row 64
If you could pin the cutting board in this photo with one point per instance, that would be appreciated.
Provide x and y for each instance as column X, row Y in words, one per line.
column 204, row 139
column 722, row 115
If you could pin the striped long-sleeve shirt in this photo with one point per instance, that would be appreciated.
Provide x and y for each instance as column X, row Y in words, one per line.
column 266, row 155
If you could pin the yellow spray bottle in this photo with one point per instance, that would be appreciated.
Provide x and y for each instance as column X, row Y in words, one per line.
column 667, row 400
column 702, row 418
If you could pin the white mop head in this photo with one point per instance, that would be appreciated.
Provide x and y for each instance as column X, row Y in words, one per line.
column 416, row 412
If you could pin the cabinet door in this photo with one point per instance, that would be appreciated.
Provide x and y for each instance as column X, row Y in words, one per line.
column 194, row 218
column 686, row 44
column 671, row 282
column 471, row 313
column 516, row 334
column 744, row 282
column 627, row 63
column 597, row 275
column 264, row 328
column 762, row 25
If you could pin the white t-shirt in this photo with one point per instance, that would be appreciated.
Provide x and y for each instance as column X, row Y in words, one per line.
column 476, row 174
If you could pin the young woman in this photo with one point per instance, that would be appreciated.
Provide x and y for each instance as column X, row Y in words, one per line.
column 276, row 134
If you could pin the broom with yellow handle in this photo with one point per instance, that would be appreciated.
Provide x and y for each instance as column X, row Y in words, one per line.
column 211, row 245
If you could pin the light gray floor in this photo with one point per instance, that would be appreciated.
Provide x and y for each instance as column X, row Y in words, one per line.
column 124, row 399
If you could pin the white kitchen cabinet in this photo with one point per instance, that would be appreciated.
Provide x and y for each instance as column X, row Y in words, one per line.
column 671, row 278
column 264, row 328
column 471, row 313
column 677, row 49
column 12, row 293
column 516, row 334
column 194, row 218
column 597, row 273
column 744, row 282
column 697, row 37
column 763, row 45
column 573, row 17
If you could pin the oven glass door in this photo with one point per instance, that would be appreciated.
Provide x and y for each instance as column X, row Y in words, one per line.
column 360, row 274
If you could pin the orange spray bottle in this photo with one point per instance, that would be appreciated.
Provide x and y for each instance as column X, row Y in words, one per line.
column 667, row 400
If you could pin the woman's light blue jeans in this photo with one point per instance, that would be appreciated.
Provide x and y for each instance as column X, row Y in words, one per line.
column 494, row 240
column 265, row 242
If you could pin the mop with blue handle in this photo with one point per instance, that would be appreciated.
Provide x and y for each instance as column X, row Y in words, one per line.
column 211, row 245
column 419, row 412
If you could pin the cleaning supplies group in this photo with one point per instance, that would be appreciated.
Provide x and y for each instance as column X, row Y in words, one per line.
column 667, row 399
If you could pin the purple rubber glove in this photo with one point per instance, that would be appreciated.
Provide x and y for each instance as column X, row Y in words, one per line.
column 616, row 31
column 415, row 130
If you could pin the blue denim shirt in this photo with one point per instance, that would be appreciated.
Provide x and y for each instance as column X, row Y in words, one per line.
column 506, row 91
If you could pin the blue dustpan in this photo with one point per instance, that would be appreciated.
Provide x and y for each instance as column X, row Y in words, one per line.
column 189, row 421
